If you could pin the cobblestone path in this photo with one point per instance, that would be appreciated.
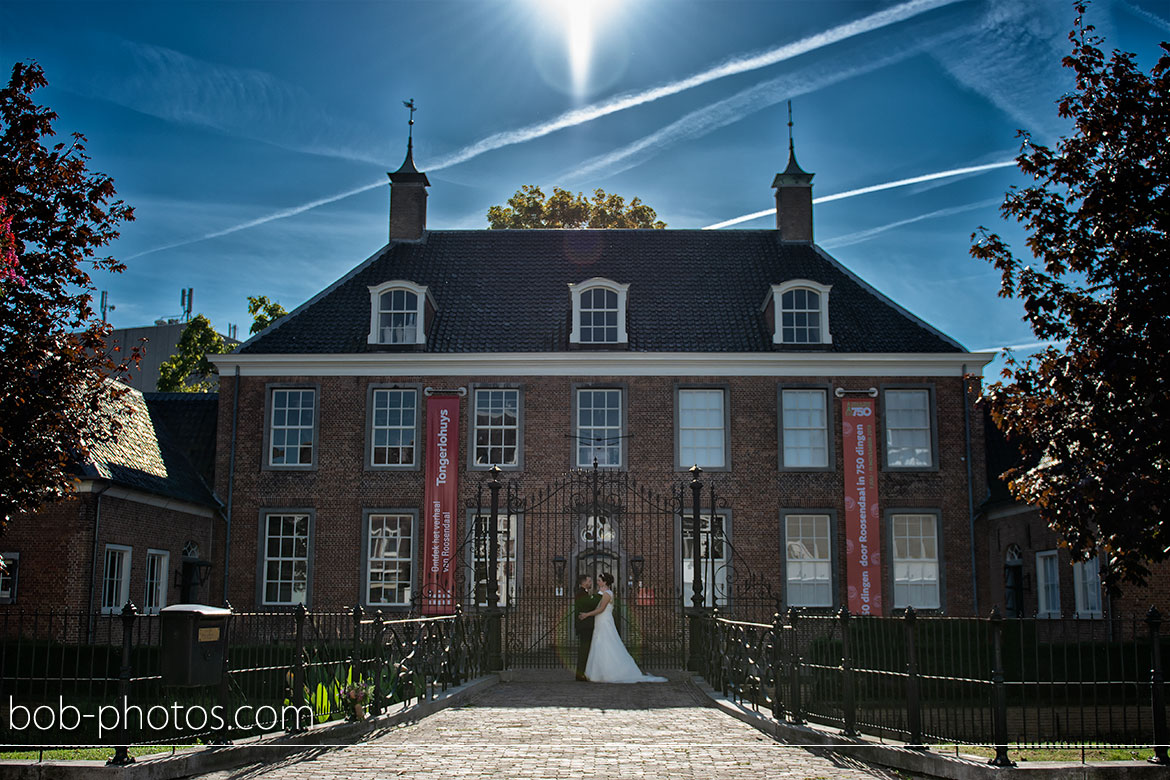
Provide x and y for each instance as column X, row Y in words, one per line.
column 569, row 730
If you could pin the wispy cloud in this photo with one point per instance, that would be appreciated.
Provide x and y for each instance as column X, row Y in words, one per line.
column 1152, row 18
column 864, row 235
column 889, row 185
column 1030, row 345
column 734, row 66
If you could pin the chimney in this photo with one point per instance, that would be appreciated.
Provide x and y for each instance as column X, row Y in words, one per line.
column 794, row 217
column 408, row 200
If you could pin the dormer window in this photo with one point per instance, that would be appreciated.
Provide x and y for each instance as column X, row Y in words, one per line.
column 599, row 312
column 799, row 312
column 400, row 313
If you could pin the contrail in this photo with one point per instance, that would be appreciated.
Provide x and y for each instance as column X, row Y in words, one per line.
column 737, row 65
column 1148, row 16
column 864, row 235
column 872, row 188
column 1032, row 345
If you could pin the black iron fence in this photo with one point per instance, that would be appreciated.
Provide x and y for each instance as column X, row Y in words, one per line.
column 82, row 679
column 1004, row 683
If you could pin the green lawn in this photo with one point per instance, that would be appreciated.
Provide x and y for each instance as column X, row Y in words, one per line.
column 86, row 754
column 1056, row 754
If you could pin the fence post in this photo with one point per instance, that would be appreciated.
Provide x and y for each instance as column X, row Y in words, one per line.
column 795, row 661
column 297, row 694
column 999, row 690
column 913, row 702
column 121, row 756
column 848, row 691
column 355, row 662
column 1157, row 689
column 223, row 691
column 777, row 633
column 379, row 663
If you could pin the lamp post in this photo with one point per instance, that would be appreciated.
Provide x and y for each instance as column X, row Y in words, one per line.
column 695, row 656
column 495, row 617
column 558, row 563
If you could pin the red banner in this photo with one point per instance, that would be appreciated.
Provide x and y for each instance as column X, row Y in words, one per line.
column 440, row 501
column 863, row 544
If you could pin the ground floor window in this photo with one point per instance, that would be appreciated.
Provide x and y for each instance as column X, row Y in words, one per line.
column 916, row 569
column 286, row 559
column 714, row 559
column 389, row 558
column 9, row 576
column 116, row 578
column 808, row 562
column 155, row 597
column 1087, row 582
column 1047, row 584
column 507, row 558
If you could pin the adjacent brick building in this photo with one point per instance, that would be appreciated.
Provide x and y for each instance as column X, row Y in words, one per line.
column 649, row 351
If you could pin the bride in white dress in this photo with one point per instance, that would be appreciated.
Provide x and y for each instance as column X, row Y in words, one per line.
column 609, row 661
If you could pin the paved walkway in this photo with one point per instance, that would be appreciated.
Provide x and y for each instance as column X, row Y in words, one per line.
column 570, row 730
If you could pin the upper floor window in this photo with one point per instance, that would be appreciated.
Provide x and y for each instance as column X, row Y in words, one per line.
column 393, row 427
column 909, row 434
column 599, row 312
column 600, row 427
column 804, row 428
column 702, row 428
column 398, row 313
column 292, row 427
column 497, row 427
column 800, row 312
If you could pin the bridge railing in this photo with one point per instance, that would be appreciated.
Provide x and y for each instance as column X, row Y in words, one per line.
column 65, row 674
column 1006, row 684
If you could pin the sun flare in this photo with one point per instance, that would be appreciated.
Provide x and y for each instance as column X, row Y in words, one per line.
column 579, row 21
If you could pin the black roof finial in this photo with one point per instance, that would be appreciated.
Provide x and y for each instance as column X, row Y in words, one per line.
column 791, row 149
column 793, row 166
column 410, row 125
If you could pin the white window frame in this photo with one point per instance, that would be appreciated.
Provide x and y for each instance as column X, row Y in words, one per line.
column 1047, row 604
column 1084, row 585
column 778, row 291
column 683, row 461
column 917, row 566
column 410, row 517
column 272, row 427
column 715, row 589
column 413, row 429
column 507, row 557
column 575, row 293
column 823, row 429
column 579, row 442
column 126, row 555
column 265, row 558
column 817, row 562
column 476, row 428
column 887, row 429
column 152, row 606
column 421, row 297
column 10, row 578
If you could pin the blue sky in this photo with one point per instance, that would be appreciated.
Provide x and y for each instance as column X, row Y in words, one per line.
column 222, row 122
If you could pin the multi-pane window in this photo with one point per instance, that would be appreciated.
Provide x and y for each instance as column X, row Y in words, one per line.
column 1087, row 583
column 800, row 316
column 286, row 559
column 916, row 561
column 398, row 317
column 599, row 427
column 393, row 428
column 497, row 427
column 9, row 576
column 599, row 316
column 808, row 564
column 507, row 529
column 389, row 558
column 713, row 560
column 908, row 429
column 292, row 427
column 1047, row 584
column 155, row 597
column 116, row 578
column 702, row 437
column 806, row 429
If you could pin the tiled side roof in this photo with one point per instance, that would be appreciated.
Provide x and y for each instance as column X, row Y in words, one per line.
column 690, row 291
column 147, row 457
column 190, row 420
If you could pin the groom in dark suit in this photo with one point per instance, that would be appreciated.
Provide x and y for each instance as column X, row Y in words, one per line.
column 585, row 600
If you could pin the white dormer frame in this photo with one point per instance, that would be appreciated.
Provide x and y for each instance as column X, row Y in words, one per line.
column 422, row 298
column 597, row 282
column 777, row 296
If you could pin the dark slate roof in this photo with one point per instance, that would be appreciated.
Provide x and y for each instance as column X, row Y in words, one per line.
column 190, row 419
column 1001, row 456
column 147, row 457
column 690, row 291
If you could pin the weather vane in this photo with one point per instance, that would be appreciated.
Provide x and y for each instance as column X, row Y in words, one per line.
column 790, row 147
column 410, row 125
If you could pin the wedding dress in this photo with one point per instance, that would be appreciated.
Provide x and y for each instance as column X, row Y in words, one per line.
column 609, row 661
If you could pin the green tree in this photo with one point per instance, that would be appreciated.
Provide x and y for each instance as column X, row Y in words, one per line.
column 264, row 312
column 1091, row 416
column 189, row 370
column 56, row 399
column 528, row 208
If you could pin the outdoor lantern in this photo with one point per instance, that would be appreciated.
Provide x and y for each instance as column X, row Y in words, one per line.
column 636, row 564
column 559, row 573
